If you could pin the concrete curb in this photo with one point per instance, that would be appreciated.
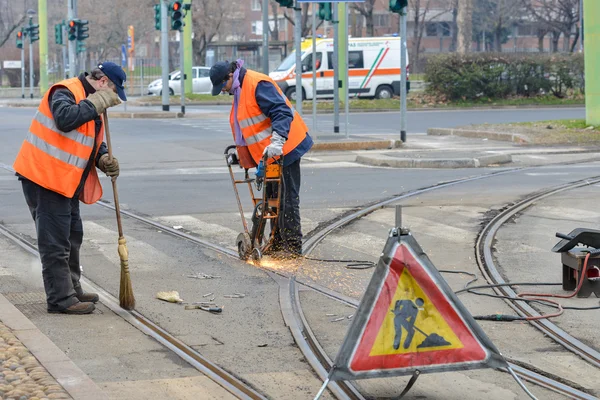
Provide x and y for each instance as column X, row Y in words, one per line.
column 356, row 145
column 505, row 137
column 395, row 162
column 77, row 384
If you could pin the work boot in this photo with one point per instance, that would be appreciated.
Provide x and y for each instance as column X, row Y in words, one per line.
column 88, row 297
column 77, row 308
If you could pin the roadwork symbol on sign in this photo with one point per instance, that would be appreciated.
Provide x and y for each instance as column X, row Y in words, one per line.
column 410, row 320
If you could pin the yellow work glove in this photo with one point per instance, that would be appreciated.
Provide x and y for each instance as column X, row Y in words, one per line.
column 103, row 99
column 110, row 168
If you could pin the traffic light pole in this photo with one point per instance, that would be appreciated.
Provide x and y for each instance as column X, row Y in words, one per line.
column 265, row 10
column 30, row 64
column 164, row 54
column 23, row 71
column 182, row 73
column 314, row 67
column 43, row 22
column 72, row 43
column 336, row 72
column 65, row 58
column 403, row 75
column 298, row 45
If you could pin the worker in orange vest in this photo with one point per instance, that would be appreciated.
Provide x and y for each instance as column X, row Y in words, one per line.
column 263, row 122
column 57, row 168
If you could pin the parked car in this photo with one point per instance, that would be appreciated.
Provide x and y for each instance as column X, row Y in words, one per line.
column 200, row 82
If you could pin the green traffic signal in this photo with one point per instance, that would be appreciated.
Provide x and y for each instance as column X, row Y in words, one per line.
column 82, row 29
column 157, row 17
column 34, row 32
column 58, row 39
column 325, row 12
column 80, row 48
column 286, row 3
column 396, row 6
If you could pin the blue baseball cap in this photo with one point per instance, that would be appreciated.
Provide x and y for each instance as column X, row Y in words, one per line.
column 218, row 73
column 116, row 76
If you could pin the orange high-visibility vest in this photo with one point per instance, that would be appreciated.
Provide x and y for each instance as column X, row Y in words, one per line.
column 56, row 160
column 256, row 127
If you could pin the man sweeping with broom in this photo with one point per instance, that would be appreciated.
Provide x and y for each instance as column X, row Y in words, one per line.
column 57, row 167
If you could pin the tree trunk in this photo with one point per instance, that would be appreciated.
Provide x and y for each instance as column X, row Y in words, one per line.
column 541, row 34
column 464, row 20
column 575, row 41
column 454, row 29
column 370, row 24
column 566, row 41
column 555, row 39
column 275, row 31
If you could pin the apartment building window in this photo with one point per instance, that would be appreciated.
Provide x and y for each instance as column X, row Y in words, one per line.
column 526, row 30
column 381, row 20
column 256, row 5
column 438, row 29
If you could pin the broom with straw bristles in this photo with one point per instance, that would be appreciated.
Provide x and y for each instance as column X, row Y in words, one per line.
column 126, row 299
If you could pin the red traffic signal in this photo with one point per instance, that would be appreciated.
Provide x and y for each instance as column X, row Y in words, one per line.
column 176, row 6
column 71, row 24
column 20, row 35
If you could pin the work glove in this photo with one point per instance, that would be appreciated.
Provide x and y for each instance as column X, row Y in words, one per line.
column 276, row 147
column 108, row 166
column 103, row 99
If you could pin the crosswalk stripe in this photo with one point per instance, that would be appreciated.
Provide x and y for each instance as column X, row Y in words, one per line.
column 143, row 256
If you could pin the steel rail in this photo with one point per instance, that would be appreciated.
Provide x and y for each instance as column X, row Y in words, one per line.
column 226, row 380
column 488, row 267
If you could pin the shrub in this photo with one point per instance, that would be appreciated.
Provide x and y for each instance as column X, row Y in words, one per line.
column 495, row 76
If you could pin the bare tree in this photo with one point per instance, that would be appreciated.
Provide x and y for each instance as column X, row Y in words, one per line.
column 422, row 13
column 557, row 16
column 10, row 20
column 497, row 18
column 209, row 18
column 366, row 10
column 464, row 21
column 306, row 22
column 275, row 11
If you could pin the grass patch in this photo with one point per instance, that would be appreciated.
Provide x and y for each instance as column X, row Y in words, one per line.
column 565, row 131
column 415, row 100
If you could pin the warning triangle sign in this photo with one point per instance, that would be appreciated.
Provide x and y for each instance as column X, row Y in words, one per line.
column 409, row 319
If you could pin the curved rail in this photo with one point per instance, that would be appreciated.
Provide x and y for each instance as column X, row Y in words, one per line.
column 489, row 269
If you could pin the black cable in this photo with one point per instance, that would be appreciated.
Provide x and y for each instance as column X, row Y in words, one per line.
column 475, row 278
column 352, row 264
column 467, row 288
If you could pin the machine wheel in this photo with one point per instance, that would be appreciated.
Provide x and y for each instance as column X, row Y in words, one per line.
column 291, row 94
column 384, row 92
column 256, row 254
column 244, row 245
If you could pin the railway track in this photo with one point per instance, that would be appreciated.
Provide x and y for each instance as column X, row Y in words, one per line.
column 291, row 306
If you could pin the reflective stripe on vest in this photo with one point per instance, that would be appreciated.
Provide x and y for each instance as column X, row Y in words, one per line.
column 73, row 135
column 56, row 152
column 57, row 160
column 256, row 126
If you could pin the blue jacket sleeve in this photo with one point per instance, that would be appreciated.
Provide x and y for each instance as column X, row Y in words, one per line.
column 273, row 105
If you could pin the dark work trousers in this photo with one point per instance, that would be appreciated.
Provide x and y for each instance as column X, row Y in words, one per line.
column 60, row 234
column 289, row 234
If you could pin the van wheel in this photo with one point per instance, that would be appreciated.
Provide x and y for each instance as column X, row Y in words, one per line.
column 291, row 94
column 384, row 92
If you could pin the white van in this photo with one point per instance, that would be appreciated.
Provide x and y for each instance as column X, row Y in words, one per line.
column 200, row 82
column 373, row 68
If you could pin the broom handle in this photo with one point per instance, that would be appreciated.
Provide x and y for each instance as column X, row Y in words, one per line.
column 113, row 179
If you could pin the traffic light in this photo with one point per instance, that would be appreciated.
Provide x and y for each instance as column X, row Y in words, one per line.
column 80, row 47
column 325, row 11
column 58, row 39
column 82, row 29
column 157, row 17
column 72, row 29
column 286, row 3
column 20, row 39
column 34, row 32
column 176, row 15
column 396, row 6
